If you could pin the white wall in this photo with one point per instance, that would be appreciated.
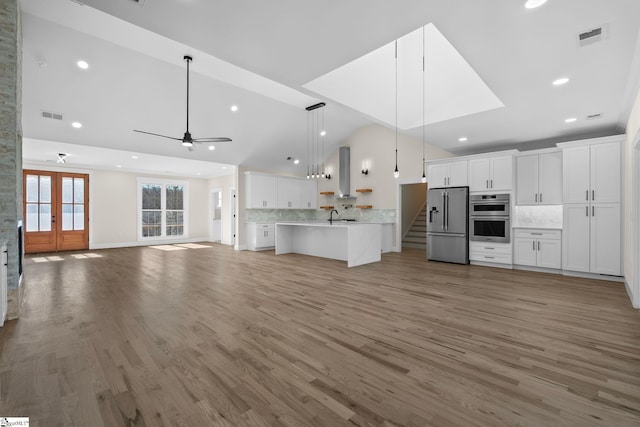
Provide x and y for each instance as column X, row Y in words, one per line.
column 631, row 215
column 113, row 203
column 375, row 146
column 226, row 183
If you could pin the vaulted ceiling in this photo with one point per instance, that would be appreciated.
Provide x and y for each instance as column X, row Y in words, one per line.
column 264, row 56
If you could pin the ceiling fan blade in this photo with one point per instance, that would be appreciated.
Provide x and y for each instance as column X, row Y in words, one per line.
column 220, row 139
column 157, row 134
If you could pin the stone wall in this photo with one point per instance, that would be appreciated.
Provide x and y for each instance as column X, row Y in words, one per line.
column 11, row 140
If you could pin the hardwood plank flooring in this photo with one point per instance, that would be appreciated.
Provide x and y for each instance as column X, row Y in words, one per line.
column 215, row 337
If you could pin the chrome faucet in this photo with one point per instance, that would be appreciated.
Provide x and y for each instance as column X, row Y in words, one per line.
column 331, row 216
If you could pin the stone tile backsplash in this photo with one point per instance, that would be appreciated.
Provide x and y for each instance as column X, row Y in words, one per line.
column 279, row 215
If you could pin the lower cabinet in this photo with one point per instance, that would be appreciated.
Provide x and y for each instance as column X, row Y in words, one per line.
column 497, row 253
column 538, row 248
column 260, row 236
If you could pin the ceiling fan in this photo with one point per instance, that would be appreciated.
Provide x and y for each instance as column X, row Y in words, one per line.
column 187, row 140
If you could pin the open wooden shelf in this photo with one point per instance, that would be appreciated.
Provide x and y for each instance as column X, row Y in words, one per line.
column 327, row 207
column 364, row 206
column 327, row 193
column 363, row 190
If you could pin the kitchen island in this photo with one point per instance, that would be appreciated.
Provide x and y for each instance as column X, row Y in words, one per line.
column 356, row 243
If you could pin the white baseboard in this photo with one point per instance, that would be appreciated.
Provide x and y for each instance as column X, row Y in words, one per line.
column 537, row 269
column 627, row 286
column 93, row 246
column 492, row 264
column 240, row 247
column 592, row 276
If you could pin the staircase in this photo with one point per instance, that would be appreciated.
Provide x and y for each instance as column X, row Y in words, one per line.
column 416, row 237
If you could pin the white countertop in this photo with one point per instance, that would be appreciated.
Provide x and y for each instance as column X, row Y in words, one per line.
column 327, row 224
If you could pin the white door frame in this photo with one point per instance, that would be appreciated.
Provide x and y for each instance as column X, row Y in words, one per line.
column 635, row 219
column 232, row 215
column 399, row 184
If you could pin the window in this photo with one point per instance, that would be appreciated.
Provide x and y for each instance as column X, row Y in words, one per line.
column 162, row 209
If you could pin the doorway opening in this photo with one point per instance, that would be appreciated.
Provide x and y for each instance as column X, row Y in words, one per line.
column 413, row 215
column 233, row 208
column 56, row 211
column 215, row 230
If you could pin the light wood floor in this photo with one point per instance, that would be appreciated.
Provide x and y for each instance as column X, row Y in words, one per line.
column 211, row 336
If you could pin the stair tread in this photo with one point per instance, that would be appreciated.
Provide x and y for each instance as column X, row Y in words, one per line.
column 415, row 239
column 414, row 245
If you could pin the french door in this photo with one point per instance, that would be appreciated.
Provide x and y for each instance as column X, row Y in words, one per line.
column 56, row 211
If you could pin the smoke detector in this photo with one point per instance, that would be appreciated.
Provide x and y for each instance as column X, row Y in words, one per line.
column 593, row 35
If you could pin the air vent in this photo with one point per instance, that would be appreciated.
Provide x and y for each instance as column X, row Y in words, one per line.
column 594, row 116
column 593, row 35
column 50, row 115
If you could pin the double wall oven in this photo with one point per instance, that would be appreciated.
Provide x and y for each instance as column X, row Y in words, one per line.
column 490, row 218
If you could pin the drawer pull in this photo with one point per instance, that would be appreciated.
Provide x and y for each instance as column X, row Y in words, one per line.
column 489, row 257
column 536, row 234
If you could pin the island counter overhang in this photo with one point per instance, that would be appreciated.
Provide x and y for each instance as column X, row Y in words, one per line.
column 356, row 243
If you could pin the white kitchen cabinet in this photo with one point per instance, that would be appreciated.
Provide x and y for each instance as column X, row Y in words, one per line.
column 261, row 191
column 592, row 173
column 491, row 173
column 592, row 238
column 289, row 191
column 308, row 194
column 450, row 174
column 538, row 248
column 539, row 179
column 496, row 253
column 260, row 236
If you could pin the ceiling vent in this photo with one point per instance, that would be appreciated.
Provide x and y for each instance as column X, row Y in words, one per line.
column 50, row 115
column 594, row 116
column 593, row 35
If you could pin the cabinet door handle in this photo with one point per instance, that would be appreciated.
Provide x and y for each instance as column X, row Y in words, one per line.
column 538, row 244
column 534, row 245
column 491, row 183
column 540, row 197
column 587, row 208
column 593, row 211
column 593, row 194
column 587, row 196
column 536, row 197
column 487, row 183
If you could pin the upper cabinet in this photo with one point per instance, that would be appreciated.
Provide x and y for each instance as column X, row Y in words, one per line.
column 592, row 173
column 539, row 179
column 491, row 173
column 288, row 193
column 264, row 191
column 451, row 174
column 308, row 194
column 261, row 191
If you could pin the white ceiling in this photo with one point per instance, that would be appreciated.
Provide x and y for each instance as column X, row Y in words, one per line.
column 260, row 55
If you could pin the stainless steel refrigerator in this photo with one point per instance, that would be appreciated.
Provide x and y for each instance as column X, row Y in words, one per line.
column 448, row 224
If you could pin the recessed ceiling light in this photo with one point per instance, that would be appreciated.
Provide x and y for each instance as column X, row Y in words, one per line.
column 532, row 4
column 118, row 166
column 82, row 64
column 212, row 147
column 223, row 167
column 323, row 133
column 296, row 161
column 234, row 108
column 76, row 125
column 135, row 157
column 561, row 81
column 570, row 120
column 463, row 139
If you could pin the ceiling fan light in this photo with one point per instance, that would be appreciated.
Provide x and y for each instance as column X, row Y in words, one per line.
column 187, row 144
column 532, row 4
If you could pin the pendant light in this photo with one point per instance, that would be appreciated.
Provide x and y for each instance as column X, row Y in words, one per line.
column 396, row 172
column 315, row 146
column 424, row 176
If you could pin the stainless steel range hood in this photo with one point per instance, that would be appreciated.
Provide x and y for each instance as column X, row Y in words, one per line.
column 344, row 176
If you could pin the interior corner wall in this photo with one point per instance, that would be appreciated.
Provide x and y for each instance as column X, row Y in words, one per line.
column 631, row 217
column 226, row 183
column 373, row 147
column 11, row 142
